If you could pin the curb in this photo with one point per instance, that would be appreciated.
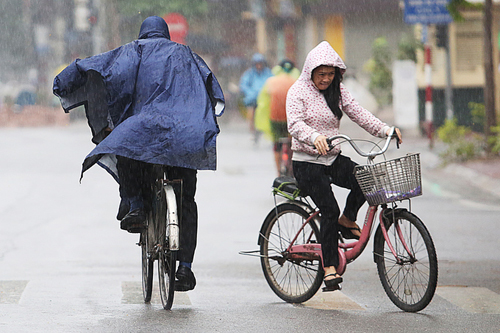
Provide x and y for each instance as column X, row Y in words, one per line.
column 489, row 184
column 430, row 159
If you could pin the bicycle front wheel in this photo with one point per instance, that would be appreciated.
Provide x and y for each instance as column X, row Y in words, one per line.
column 410, row 278
column 295, row 279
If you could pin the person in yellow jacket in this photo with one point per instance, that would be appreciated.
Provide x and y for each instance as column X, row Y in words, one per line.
column 270, row 115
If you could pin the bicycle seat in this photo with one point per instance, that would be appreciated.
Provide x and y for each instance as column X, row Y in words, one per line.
column 286, row 184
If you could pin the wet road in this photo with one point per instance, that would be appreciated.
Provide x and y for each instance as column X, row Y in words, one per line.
column 65, row 266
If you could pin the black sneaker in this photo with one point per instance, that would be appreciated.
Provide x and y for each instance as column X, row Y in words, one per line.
column 134, row 222
column 123, row 209
column 185, row 279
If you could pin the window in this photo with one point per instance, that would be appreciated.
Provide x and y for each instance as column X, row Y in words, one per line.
column 469, row 45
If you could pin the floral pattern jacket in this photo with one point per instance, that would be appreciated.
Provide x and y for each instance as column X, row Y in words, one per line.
column 308, row 114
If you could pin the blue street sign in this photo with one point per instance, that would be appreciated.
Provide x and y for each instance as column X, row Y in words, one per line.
column 427, row 12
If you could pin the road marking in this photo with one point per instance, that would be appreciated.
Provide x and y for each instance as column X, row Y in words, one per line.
column 11, row 291
column 132, row 294
column 437, row 190
column 335, row 300
column 479, row 205
column 471, row 299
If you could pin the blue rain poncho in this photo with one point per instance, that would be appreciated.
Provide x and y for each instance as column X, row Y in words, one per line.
column 151, row 100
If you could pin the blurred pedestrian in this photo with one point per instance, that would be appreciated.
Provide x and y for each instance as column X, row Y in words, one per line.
column 251, row 83
column 270, row 114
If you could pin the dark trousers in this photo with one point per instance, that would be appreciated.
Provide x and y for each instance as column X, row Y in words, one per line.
column 136, row 179
column 315, row 180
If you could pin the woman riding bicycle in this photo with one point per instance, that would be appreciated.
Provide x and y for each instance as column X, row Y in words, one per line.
column 315, row 104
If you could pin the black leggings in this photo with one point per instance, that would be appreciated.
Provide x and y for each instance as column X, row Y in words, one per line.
column 315, row 180
column 136, row 178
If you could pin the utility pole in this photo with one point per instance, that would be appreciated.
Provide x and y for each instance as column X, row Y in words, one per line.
column 443, row 40
column 489, row 86
column 429, row 106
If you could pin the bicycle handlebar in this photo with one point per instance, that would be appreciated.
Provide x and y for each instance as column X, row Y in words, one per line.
column 371, row 154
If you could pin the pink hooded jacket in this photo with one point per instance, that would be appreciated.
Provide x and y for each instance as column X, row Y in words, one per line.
column 308, row 113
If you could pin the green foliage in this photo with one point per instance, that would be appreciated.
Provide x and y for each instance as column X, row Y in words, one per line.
column 454, row 7
column 494, row 140
column 379, row 67
column 407, row 48
column 478, row 114
column 462, row 143
column 133, row 12
column 147, row 8
column 450, row 132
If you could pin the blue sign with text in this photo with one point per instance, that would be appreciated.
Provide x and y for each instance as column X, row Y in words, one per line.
column 427, row 12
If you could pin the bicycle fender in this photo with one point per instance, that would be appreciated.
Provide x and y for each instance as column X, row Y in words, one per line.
column 301, row 204
column 173, row 225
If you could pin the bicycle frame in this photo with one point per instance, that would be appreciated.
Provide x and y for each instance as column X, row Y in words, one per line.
column 348, row 252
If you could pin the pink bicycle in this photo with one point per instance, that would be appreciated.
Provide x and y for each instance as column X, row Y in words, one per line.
column 289, row 239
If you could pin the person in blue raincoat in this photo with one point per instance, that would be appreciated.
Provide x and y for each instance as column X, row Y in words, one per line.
column 149, row 102
column 251, row 82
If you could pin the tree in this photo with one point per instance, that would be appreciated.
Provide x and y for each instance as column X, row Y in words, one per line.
column 379, row 67
column 126, row 16
column 407, row 48
column 489, row 85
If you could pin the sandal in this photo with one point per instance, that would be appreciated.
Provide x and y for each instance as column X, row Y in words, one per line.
column 332, row 284
column 347, row 233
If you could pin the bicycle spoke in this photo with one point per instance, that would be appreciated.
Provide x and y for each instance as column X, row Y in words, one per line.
column 410, row 278
column 291, row 278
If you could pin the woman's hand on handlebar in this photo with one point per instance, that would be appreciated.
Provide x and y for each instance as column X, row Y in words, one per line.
column 397, row 133
column 321, row 145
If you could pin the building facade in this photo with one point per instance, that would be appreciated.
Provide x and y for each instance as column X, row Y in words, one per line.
column 466, row 54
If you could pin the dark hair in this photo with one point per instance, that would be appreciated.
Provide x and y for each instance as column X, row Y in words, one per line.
column 332, row 94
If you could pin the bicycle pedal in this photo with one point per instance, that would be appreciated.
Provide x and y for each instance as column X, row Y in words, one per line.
column 333, row 288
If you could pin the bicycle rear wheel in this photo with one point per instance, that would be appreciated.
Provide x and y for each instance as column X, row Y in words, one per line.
column 166, row 277
column 147, row 268
column 410, row 280
column 294, row 279
column 166, row 257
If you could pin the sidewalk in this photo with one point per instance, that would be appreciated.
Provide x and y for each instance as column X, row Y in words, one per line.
column 481, row 173
column 33, row 116
column 484, row 174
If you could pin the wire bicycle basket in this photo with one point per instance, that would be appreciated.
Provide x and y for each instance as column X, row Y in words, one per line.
column 390, row 181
